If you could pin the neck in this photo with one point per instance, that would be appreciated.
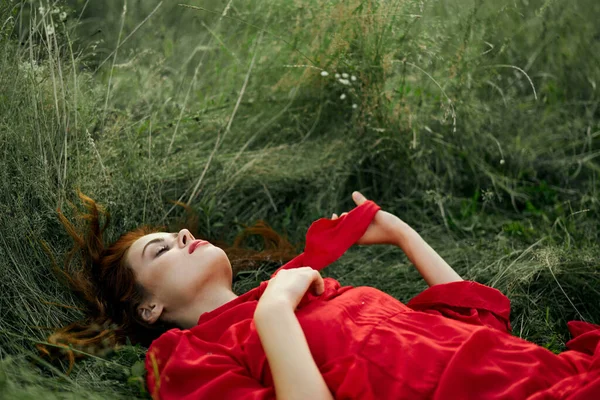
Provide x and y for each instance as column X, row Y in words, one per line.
column 215, row 298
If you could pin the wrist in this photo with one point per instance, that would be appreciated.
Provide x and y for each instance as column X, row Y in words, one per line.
column 269, row 307
column 402, row 233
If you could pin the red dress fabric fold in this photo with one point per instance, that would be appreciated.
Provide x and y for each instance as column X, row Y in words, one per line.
column 327, row 240
column 470, row 302
column 586, row 337
column 449, row 342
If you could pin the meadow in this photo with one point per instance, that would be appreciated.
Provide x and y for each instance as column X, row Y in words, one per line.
column 476, row 122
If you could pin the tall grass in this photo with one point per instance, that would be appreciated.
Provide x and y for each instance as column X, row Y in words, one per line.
column 475, row 122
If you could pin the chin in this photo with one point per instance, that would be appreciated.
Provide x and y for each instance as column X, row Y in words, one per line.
column 218, row 260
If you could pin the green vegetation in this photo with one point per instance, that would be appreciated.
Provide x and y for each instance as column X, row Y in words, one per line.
column 475, row 122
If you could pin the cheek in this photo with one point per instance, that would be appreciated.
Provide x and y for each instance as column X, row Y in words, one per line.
column 153, row 277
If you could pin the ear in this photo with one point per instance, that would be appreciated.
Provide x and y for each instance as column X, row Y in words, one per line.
column 150, row 311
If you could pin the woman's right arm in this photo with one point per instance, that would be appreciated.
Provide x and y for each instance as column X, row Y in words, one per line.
column 295, row 373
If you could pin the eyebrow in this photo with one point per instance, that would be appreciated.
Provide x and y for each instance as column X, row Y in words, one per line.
column 156, row 241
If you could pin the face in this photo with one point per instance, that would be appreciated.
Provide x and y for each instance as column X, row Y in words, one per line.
column 173, row 276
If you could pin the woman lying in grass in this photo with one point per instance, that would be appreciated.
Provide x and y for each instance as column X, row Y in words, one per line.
column 299, row 336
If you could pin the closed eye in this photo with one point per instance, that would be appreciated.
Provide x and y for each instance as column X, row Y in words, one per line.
column 163, row 248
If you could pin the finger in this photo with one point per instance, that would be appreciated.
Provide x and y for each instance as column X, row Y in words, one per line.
column 343, row 214
column 334, row 216
column 358, row 198
column 318, row 284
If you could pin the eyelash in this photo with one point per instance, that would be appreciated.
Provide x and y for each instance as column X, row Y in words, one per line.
column 161, row 249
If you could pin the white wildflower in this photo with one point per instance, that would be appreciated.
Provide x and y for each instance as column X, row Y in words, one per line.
column 25, row 67
column 487, row 195
column 337, row 76
column 90, row 139
column 42, row 10
column 344, row 75
column 353, row 77
column 63, row 16
column 55, row 10
column 32, row 67
column 343, row 96
column 354, row 105
column 324, row 73
column 50, row 30
column 502, row 162
column 344, row 81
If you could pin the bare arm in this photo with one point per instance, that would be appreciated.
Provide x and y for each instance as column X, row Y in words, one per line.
column 295, row 373
column 386, row 228
column 430, row 264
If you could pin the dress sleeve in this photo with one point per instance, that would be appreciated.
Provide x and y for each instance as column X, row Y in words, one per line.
column 466, row 301
column 181, row 366
column 586, row 337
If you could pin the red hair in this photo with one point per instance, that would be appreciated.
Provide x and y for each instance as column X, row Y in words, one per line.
column 107, row 284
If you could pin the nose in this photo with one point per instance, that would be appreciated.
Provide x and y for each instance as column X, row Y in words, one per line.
column 185, row 237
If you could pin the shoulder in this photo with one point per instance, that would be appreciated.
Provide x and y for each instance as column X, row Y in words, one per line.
column 169, row 337
column 171, row 352
column 162, row 348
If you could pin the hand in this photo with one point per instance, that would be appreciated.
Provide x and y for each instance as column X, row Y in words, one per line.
column 384, row 229
column 289, row 286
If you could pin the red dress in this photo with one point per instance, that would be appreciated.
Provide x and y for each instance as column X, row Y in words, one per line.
column 449, row 342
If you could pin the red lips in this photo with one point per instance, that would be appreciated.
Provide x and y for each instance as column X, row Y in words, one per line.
column 195, row 244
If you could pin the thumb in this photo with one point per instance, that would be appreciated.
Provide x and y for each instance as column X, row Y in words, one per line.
column 358, row 198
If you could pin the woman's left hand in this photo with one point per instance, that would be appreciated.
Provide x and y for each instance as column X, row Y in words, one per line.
column 384, row 229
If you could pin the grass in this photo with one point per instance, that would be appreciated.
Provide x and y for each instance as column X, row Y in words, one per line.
column 476, row 123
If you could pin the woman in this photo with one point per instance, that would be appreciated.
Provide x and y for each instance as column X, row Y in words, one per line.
column 299, row 336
